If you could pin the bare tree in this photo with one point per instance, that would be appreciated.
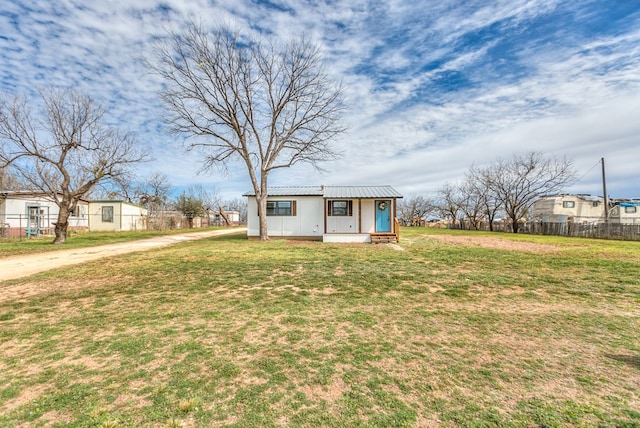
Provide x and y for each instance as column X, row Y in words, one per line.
column 519, row 181
column 241, row 100
column 64, row 152
column 450, row 202
column 9, row 181
column 482, row 193
column 240, row 205
column 471, row 204
column 412, row 210
column 153, row 193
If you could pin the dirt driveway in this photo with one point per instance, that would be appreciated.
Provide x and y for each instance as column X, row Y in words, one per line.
column 21, row 266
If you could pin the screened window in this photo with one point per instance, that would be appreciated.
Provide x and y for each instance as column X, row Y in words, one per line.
column 630, row 210
column 568, row 204
column 107, row 214
column 281, row 208
column 340, row 208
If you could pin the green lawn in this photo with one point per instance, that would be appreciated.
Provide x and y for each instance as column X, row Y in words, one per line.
column 21, row 246
column 446, row 329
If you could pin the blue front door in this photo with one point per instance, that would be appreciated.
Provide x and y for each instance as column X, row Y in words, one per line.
column 383, row 216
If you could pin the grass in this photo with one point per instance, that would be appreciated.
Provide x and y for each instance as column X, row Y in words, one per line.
column 82, row 239
column 230, row 332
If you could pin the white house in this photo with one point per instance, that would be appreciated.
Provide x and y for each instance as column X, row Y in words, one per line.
column 116, row 216
column 27, row 213
column 625, row 211
column 569, row 208
column 327, row 213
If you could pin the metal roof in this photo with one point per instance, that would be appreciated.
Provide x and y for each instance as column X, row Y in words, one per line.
column 360, row 192
column 334, row 192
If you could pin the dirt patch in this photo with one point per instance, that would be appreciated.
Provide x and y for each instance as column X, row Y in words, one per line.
column 493, row 242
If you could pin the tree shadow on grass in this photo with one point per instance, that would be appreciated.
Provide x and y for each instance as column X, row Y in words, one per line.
column 632, row 360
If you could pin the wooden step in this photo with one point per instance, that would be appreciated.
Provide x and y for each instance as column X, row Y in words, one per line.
column 383, row 238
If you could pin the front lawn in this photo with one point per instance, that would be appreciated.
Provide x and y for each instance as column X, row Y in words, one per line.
column 446, row 329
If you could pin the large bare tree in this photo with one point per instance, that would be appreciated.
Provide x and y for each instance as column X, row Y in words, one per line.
column 266, row 106
column 65, row 150
column 517, row 182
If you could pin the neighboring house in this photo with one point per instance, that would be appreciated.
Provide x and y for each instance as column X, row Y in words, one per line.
column 116, row 216
column 585, row 209
column 625, row 211
column 26, row 213
column 230, row 217
column 327, row 213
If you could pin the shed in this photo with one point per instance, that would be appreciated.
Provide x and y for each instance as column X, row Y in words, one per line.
column 116, row 216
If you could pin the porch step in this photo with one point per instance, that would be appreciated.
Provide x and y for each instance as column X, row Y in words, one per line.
column 383, row 238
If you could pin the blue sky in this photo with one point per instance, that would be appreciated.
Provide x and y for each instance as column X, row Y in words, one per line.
column 432, row 86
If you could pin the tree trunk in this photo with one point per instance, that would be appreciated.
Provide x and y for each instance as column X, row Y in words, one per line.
column 61, row 226
column 262, row 215
column 224, row 216
column 514, row 225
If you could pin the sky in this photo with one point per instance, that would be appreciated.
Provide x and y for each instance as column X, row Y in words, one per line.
column 431, row 87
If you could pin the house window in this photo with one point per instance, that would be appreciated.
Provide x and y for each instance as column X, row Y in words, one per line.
column 568, row 204
column 281, row 208
column 340, row 208
column 630, row 210
column 76, row 212
column 595, row 204
column 107, row 214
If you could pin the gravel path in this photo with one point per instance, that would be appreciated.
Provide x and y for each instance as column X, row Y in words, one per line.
column 21, row 266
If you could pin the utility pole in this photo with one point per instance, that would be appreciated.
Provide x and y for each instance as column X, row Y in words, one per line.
column 604, row 190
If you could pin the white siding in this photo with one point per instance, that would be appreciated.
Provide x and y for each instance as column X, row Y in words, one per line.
column 368, row 216
column 126, row 217
column 308, row 220
column 14, row 214
column 620, row 215
column 344, row 224
column 553, row 209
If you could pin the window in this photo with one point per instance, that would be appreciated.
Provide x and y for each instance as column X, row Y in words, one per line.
column 281, row 208
column 340, row 208
column 568, row 204
column 630, row 210
column 107, row 214
column 595, row 204
column 77, row 212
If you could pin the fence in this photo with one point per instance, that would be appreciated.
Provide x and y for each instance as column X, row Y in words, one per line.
column 626, row 232
column 22, row 225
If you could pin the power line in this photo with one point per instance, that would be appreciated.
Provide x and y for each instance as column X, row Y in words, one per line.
column 590, row 169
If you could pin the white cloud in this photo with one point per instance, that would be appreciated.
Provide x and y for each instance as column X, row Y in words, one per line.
column 574, row 95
